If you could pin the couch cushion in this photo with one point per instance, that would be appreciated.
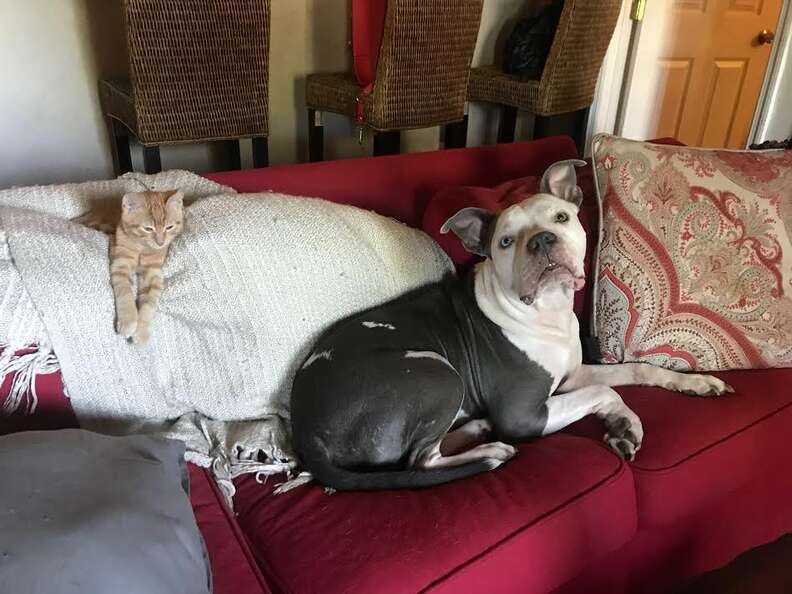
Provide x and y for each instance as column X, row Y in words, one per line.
column 400, row 186
column 233, row 566
column 82, row 512
column 695, row 262
column 560, row 503
column 696, row 450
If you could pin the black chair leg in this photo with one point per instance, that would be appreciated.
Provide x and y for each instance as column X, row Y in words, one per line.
column 507, row 123
column 151, row 159
column 582, row 128
column 572, row 124
column 456, row 134
column 119, row 141
column 387, row 143
column 260, row 151
column 233, row 157
column 315, row 136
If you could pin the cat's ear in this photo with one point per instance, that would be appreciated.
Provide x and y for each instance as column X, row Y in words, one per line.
column 133, row 201
column 175, row 200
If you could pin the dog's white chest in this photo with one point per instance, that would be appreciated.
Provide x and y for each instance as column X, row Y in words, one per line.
column 558, row 354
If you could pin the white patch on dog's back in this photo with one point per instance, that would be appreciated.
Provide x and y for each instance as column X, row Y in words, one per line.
column 378, row 325
column 427, row 355
column 316, row 356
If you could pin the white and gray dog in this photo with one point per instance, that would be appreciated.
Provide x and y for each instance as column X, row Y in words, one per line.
column 407, row 394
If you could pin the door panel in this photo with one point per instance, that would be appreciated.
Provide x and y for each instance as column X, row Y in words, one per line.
column 698, row 70
column 721, row 101
column 675, row 81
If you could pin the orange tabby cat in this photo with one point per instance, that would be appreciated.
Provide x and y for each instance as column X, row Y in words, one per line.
column 145, row 225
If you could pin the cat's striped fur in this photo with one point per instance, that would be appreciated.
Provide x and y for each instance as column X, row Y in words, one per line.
column 144, row 223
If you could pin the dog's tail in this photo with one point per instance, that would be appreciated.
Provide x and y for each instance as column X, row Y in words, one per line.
column 343, row 479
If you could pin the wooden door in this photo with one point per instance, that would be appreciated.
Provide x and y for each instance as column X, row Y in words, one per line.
column 698, row 69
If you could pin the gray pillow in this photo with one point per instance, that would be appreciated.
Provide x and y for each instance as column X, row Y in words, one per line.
column 83, row 513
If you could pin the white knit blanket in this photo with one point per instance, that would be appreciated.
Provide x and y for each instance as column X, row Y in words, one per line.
column 249, row 286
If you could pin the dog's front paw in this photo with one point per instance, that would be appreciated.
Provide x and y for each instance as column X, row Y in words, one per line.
column 702, row 385
column 126, row 324
column 498, row 450
column 624, row 435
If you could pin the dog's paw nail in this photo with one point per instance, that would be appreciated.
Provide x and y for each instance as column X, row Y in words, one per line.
column 625, row 447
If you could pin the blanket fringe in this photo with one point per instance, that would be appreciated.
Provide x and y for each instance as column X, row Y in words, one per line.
column 221, row 467
column 26, row 367
column 302, row 478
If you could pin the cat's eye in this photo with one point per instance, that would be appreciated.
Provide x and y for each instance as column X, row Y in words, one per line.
column 148, row 229
column 561, row 217
column 505, row 242
column 169, row 227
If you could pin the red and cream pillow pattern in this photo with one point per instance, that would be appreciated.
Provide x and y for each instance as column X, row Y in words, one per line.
column 695, row 258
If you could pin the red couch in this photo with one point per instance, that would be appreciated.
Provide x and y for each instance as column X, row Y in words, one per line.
column 566, row 515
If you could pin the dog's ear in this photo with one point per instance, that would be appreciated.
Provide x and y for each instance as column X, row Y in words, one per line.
column 474, row 226
column 560, row 180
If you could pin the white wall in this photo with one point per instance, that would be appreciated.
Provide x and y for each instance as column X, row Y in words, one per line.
column 50, row 123
column 52, row 52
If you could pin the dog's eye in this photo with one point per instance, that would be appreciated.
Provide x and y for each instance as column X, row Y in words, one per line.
column 561, row 217
column 506, row 242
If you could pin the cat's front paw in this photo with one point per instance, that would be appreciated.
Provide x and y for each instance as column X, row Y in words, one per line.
column 127, row 325
column 141, row 335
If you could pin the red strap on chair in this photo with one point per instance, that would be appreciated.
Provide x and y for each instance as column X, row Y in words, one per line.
column 360, row 111
column 368, row 18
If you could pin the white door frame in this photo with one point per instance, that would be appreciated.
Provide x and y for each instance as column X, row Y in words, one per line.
column 606, row 113
column 777, row 87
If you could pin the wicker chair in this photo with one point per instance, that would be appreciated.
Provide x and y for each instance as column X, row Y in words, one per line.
column 198, row 73
column 421, row 76
column 562, row 97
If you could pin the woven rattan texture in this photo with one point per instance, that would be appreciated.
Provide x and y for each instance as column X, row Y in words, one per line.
column 572, row 68
column 423, row 68
column 424, row 63
column 117, row 102
column 490, row 83
column 336, row 92
column 199, row 68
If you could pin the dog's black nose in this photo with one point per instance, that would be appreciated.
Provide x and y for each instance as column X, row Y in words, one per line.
column 541, row 242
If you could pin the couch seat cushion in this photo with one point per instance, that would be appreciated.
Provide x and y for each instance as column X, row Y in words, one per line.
column 528, row 526
column 697, row 450
column 233, row 568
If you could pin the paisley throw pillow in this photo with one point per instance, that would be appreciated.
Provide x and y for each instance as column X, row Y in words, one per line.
column 695, row 256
